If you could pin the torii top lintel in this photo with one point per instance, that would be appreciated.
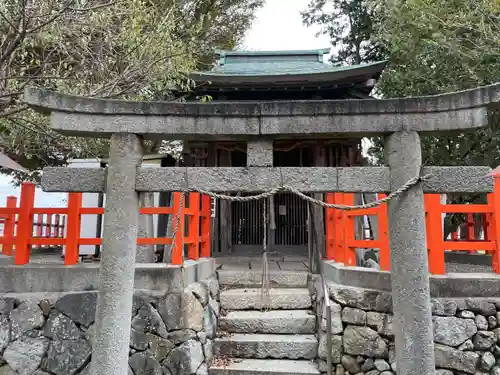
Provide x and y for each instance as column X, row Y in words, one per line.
column 93, row 117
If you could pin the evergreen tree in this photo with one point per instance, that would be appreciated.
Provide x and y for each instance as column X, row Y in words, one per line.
column 349, row 25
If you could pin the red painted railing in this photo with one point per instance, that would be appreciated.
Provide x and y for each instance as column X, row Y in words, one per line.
column 341, row 242
column 18, row 234
column 26, row 226
column 46, row 225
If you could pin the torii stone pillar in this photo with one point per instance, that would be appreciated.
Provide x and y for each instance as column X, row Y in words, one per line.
column 116, row 287
column 409, row 270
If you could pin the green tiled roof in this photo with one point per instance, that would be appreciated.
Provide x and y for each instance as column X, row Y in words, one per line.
column 276, row 63
column 278, row 68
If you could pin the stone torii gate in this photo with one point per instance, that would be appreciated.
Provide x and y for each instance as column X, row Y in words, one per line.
column 260, row 123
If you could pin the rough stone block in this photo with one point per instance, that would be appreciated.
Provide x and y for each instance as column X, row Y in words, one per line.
column 453, row 331
column 337, row 349
column 364, row 341
column 144, row 364
column 453, row 359
column 212, row 284
column 336, row 310
column 25, row 354
column 185, row 359
column 149, row 320
column 353, row 316
column 483, row 340
column 365, row 299
column 351, row 364
column 4, row 332
column 59, row 325
column 443, row 307
column 25, row 317
column 382, row 322
column 66, row 357
column 80, row 307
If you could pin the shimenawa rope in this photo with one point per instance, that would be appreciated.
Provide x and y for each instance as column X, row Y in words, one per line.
column 265, row 295
column 267, row 194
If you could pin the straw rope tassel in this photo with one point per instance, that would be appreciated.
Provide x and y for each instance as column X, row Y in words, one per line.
column 272, row 217
column 264, row 292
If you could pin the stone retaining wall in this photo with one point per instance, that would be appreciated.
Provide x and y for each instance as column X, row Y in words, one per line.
column 466, row 333
column 43, row 336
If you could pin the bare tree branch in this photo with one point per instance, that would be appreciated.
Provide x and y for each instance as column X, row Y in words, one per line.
column 49, row 21
column 100, row 6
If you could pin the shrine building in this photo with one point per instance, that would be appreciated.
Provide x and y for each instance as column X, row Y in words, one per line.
column 275, row 76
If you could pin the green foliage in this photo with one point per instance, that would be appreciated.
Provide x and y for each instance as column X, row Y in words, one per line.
column 129, row 49
column 433, row 46
column 440, row 46
column 206, row 98
column 349, row 24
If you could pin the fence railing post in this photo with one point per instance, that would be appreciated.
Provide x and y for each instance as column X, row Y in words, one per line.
column 48, row 231
column 39, row 225
column 330, row 227
column 488, row 223
column 57, row 225
column 383, row 235
column 495, row 225
column 339, row 229
column 25, row 224
column 205, row 240
column 470, row 227
column 178, row 216
column 194, row 226
column 9, row 226
column 434, row 233
column 349, row 232
column 63, row 226
column 73, row 229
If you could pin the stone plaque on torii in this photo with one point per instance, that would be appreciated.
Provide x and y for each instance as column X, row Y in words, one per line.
column 260, row 123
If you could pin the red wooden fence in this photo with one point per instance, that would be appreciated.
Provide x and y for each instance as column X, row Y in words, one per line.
column 340, row 231
column 341, row 242
column 18, row 233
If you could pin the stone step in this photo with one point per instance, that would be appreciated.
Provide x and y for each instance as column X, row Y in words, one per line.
column 274, row 321
column 260, row 346
column 264, row 367
column 280, row 299
column 253, row 279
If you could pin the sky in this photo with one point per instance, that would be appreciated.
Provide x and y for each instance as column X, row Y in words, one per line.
column 277, row 26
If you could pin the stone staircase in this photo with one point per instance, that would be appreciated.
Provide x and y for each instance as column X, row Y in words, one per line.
column 280, row 341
